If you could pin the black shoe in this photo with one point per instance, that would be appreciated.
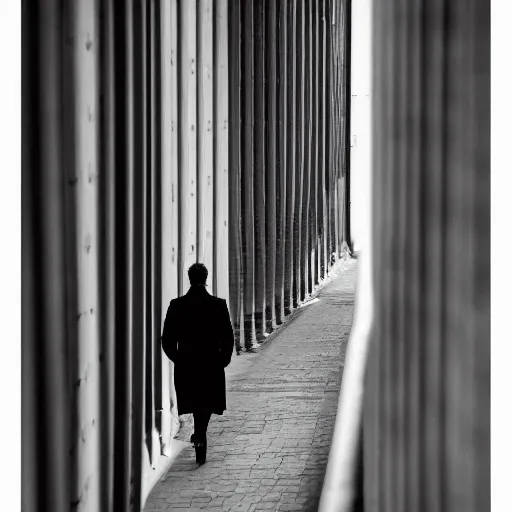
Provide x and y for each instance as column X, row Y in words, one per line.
column 200, row 453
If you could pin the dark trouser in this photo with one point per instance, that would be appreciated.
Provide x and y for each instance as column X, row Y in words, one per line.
column 201, row 420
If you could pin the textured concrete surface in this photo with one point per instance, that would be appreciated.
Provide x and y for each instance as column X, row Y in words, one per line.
column 269, row 450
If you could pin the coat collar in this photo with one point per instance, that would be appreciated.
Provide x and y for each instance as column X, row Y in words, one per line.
column 197, row 290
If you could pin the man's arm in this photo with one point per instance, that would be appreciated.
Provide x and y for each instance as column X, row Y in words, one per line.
column 169, row 335
column 227, row 336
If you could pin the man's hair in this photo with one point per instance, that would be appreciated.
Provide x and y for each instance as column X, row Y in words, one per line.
column 197, row 274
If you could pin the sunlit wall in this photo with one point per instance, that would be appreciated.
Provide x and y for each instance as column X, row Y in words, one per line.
column 360, row 116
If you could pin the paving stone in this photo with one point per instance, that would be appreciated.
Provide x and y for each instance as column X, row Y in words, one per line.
column 193, row 493
column 156, row 507
column 270, row 449
column 272, row 496
column 198, row 501
column 290, row 506
column 177, row 499
column 287, row 499
column 265, row 505
column 243, row 507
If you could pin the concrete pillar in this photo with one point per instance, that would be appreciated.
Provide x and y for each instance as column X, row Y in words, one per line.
column 425, row 421
column 313, row 200
column 247, row 149
column 169, row 201
column 107, row 270
column 271, row 164
column 235, row 186
column 322, row 192
column 123, row 65
column 291, row 149
column 187, row 76
column 139, row 269
column 45, row 413
column 81, row 137
column 298, row 270
column 205, row 133
column 282, row 161
column 221, row 150
column 428, row 396
column 260, row 159
column 306, row 185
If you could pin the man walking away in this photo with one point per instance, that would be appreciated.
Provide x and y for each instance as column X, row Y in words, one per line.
column 198, row 339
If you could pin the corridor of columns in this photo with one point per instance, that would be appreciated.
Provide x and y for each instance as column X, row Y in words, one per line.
column 341, row 205
column 158, row 134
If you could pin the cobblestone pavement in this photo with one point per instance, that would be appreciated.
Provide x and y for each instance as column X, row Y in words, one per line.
column 269, row 450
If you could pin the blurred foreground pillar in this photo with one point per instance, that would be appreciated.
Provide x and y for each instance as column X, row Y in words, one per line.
column 425, row 362
column 427, row 396
column 44, row 368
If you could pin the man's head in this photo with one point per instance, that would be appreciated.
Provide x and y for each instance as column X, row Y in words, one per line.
column 197, row 274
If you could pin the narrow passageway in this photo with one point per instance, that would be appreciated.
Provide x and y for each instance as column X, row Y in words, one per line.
column 269, row 450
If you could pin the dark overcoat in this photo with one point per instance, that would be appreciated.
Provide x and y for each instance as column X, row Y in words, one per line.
column 198, row 338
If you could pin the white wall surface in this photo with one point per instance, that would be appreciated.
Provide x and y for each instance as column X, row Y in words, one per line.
column 361, row 123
